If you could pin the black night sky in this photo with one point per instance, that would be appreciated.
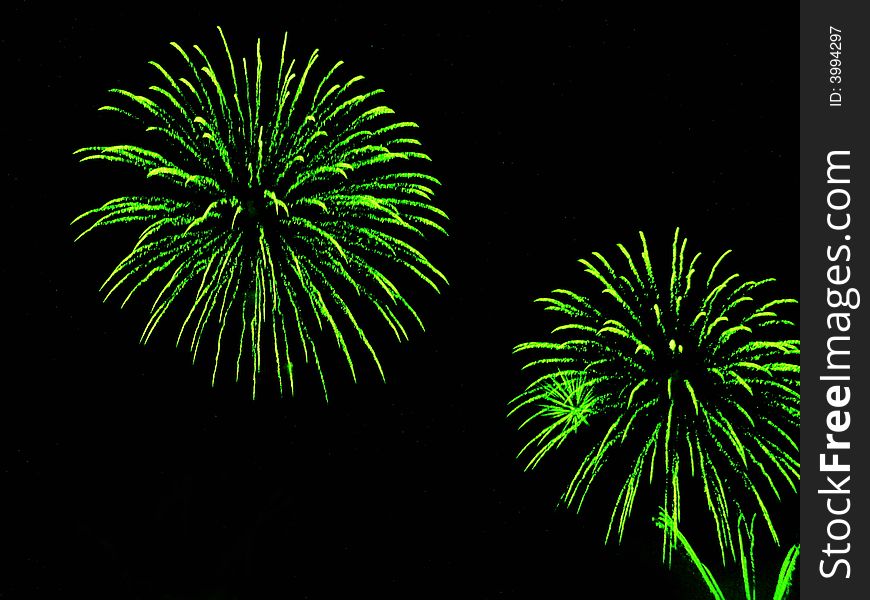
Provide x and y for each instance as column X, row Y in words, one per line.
column 555, row 130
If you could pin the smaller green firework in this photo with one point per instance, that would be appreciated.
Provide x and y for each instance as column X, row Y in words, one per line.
column 684, row 375
column 561, row 404
column 746, row 535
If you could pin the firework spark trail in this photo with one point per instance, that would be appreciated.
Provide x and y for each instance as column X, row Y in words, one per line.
column 746, row 538
column 685, row 375
column 282, row 208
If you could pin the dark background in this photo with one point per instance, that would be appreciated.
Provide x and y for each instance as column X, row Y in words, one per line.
column 556, row 131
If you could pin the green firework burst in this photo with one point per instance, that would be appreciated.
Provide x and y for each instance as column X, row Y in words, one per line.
column 562, row 403
column 277, row 207
column 685, row 376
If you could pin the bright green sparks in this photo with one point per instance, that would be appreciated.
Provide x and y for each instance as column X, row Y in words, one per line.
column 687, row 378
column 746, row 534
column 279, row 210
column 563, row 403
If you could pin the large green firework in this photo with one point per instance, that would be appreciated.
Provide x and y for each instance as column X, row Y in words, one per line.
column 687, row 375
column 278, row 208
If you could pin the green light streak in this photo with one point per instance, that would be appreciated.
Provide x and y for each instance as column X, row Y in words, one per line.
column 746, row 542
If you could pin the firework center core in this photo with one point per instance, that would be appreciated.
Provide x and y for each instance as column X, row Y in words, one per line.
column 255, row 202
